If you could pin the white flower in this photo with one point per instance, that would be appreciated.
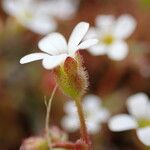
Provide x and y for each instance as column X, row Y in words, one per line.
column 28, row 14
column 55, row 48
column 94, row 112
column 138, row 106
column 112, row 34
column 39, row 16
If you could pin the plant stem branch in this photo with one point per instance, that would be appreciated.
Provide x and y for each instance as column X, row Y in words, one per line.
column 47, row 119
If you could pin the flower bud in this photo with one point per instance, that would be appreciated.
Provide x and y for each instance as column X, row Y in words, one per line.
column 34, row 143
column 57, row 135
column 70, row 66
column 72, row 77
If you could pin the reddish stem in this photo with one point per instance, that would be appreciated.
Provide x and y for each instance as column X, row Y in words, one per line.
column 83, row 129
column 68, row 145
column 79, row 145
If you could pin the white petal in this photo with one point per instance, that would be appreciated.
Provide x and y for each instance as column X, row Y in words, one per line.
column 32, row 57
column 93, row 127
column 91, row 102
column 70, row 108
column 87, row 43
column 10, row 7
column 125, row 25
column 41, row 25
column 102, row 115
column 92, row 33
column 144, row 135
column 118, row 50
column 97, row 116
column 53, row 43
column 138, row 105
column 67, row 8
column 98, row 49
column 70, row 123
column 76, row 36
column 51, row 62
column 122, row 122
column 104, row 21
column 26, row 12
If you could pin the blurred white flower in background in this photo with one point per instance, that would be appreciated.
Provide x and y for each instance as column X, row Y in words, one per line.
column 28, row 14
column 39, row 16
column 95, row 114
column 61, row 9
column 138, row 106
column 55, row 48
column 112, row 34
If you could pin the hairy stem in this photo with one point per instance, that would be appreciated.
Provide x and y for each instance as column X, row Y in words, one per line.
column 83, row 128
column 48, row 116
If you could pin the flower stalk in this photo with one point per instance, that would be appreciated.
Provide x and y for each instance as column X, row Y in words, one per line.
column 83, row 128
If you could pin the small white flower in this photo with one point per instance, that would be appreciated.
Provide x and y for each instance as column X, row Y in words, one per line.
column 29, row 14
column 112, row 34
column 39, row 16
column 94, row 112
column 138, row 106
column 55, row 48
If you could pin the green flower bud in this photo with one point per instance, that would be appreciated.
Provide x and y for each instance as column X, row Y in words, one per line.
column 57, row 135
column 72, row 77
column 35, row 143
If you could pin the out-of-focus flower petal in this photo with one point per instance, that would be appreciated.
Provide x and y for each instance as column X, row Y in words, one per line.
column 144, row 135
column 87, row 43
column 104, row 21
column 10, row 7
column 98, row 49
column 50, row 62
column 67, row 9
column 124, row 27
column 70, row 108
column 122, row 122
column 138, row 105
column 91, row 102
column 41, row 25
column 29, row 14
column 92, row 127
column 92, row 33
column 32, row 57
column 77, row 35
column 102, row 115
column 53, row 44
column 70, row 123
column 118, row 50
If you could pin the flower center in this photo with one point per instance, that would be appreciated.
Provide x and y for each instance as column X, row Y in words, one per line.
column 143, row 123
column 108, row 39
